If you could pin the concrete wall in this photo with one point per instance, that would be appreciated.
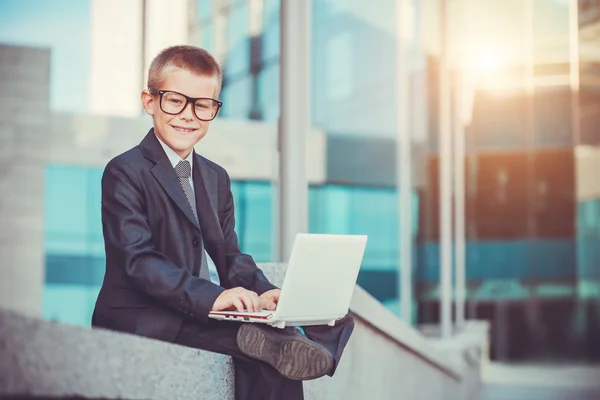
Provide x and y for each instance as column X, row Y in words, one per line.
column 385, row 359
column 24, row 102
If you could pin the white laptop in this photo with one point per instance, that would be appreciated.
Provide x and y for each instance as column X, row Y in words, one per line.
column 318, row 284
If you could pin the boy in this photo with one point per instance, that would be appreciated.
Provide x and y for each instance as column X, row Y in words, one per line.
column 172, row 254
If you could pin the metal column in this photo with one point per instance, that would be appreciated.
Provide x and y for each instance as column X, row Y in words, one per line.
column 460, row 122
column 294, row 122
column 403, row 156
column 445, row 179
column 459, row 203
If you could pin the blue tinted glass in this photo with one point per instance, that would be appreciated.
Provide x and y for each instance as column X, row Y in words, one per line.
column 73, row 243
column 268, row 92
column 271, row 30
column 238, row 44
column 204, row 9
column 52, row 24
column 71, row 304
column 72, row 211
column 237, row 99
column 367, row 211
column 207, row 37
column 254, row 219
column 355, row 210
column 588, row 239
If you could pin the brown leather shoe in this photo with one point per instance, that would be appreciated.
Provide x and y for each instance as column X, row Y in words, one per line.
column 287, row 350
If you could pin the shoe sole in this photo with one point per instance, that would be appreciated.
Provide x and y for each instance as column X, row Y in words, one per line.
column 293, row 358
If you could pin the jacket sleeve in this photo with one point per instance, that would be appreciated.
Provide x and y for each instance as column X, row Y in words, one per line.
column 242, row 270
column 128, row 239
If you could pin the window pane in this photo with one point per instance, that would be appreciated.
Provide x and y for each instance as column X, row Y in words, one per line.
column 237, row 98
column 253, row 201
column 271, row 30
column 365, row 211
column 74, row 245
column 238, row 44
column 204, row 9
column 268, row 92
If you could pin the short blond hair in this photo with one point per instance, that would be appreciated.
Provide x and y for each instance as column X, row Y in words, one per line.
column 191, row 58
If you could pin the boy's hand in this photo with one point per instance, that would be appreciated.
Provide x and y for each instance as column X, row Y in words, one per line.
column 269, row 299
column 239, row 298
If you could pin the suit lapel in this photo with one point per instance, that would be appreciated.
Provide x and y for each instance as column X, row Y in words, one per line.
column 206, row 189
column 165, row 174
column 206, row 192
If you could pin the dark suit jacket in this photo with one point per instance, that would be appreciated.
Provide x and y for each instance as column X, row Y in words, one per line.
column 153, row 244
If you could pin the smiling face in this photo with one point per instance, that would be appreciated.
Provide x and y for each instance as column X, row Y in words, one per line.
column 182, row 131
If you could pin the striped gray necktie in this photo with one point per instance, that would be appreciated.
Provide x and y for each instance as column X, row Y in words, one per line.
column 184, row 171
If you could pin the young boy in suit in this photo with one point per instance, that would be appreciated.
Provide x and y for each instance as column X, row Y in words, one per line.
column 172, row 254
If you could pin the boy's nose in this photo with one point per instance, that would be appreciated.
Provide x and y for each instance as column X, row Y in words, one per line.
column 187, row 112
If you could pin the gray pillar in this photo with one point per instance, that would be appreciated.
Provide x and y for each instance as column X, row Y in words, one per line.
column 403, row 159
column 25, row 140
column 445, row 177
column 294, row 122
column 22, row 253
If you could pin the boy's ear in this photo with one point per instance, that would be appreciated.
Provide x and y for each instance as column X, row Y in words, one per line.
column 148, row 102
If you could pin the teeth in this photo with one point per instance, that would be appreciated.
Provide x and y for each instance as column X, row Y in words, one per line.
column 184, row 130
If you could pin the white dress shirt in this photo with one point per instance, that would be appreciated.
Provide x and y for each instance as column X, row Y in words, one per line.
column 175, row 159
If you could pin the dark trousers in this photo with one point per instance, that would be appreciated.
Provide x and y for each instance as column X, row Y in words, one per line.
column 254, row 379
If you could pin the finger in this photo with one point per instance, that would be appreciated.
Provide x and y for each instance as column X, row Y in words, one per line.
column 271, row 306
column 256, row 301
column 247, row 302
column 238, row 304
column 267, row 303
column 264, row 302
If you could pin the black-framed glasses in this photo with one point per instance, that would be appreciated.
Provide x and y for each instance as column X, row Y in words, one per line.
column 173, row 103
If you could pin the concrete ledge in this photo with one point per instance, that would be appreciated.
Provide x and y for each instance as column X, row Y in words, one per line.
column 469, row 343
column 40, row 358
column 384, row 359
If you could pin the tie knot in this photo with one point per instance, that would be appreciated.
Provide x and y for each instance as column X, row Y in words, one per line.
column 183, row 169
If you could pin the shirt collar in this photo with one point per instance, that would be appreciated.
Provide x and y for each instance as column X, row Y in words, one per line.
column 174, row 157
